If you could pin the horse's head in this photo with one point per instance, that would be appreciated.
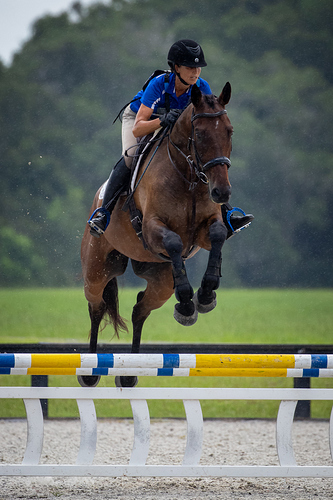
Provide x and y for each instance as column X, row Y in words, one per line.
column 210, row 141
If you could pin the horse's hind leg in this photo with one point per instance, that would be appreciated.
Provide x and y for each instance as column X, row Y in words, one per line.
column 159, row 290
column 205, row 297
column 96, row 315
column 103, row 299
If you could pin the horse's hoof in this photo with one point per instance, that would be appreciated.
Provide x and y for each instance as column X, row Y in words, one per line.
column 204, row 308
column 88, row 380
column 126, row 381
column 185, row 319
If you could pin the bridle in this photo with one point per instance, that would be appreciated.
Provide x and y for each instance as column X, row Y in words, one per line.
column 198, row 166
column 220, row 160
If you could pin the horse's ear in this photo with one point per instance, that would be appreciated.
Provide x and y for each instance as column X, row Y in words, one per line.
column 225, row 95
column 196, row 95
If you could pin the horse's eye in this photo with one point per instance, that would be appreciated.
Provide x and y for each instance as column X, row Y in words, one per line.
column 200, row 136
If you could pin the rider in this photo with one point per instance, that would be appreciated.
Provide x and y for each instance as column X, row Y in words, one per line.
column 168, row 95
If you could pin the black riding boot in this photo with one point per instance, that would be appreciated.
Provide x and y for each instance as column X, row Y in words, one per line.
column 234, row 224
column 117, row 182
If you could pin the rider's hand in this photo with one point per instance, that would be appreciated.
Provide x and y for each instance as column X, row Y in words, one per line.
column 169, row 119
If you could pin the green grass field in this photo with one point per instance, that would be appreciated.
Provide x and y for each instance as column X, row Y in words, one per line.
column 262, row 316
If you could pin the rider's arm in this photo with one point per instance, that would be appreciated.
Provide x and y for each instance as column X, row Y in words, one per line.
column 143, row 125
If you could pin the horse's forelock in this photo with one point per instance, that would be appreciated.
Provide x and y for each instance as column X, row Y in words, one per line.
column 210, row 100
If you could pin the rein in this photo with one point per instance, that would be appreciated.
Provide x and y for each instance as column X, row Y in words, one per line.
column 198, row 166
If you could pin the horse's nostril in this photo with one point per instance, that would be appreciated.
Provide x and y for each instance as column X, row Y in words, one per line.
column 220, row 196
column 216, row 193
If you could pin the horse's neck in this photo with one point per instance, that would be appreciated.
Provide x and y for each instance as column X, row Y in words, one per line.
column 181, row 131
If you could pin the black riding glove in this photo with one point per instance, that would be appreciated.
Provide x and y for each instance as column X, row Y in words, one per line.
column 169, row 119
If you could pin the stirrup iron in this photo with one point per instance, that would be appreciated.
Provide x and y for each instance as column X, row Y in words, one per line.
column 230, row 212
column 94, row 226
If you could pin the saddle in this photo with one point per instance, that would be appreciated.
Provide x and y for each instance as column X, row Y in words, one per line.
column 145, row 145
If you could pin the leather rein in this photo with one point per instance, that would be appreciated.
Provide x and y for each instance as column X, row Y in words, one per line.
column 199, row 168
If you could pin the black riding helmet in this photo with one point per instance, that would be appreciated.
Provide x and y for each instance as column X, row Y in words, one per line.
column 186, row 53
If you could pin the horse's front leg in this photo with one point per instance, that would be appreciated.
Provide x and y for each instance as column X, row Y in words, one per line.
column 185, row 311
column 205, row 297
column 162, row 240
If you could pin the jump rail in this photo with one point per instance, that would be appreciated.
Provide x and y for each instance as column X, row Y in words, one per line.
column 182, row 365
column 138, row 397
column 166, row 365
column 303, row 409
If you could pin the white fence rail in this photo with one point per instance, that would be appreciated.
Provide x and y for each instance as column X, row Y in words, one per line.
column 138, row 397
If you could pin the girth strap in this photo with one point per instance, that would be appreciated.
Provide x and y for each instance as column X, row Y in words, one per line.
column 136, row 220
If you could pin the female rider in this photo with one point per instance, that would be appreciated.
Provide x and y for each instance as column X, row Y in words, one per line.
column 159, row 105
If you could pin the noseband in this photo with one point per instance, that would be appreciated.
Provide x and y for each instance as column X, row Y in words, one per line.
column 198, row 166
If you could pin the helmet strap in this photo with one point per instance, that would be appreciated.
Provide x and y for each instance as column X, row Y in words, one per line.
column 180, row 78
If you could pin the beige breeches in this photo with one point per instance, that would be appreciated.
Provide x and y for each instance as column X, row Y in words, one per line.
column 129, row 142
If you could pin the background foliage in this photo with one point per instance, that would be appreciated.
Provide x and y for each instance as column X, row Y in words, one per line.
column 60, row 95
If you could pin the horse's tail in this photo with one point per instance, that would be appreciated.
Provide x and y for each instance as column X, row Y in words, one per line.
column 110, row 297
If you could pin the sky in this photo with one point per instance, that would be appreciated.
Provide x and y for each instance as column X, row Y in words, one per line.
column 18, row 16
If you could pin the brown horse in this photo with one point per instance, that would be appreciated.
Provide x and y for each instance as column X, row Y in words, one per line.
column 180, row 197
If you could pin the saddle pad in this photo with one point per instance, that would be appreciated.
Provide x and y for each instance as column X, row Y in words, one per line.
column 136, row 169
column 102, row 191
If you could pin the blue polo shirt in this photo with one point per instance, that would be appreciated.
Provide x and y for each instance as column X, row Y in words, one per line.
column 154, row 95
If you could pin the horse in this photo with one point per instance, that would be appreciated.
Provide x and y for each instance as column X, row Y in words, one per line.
column 182, row 185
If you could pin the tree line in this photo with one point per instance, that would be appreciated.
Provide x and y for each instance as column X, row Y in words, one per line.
column 60, row 95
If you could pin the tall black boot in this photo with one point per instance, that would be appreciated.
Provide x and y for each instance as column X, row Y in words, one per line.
column 116, row 184
column 234, row 224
